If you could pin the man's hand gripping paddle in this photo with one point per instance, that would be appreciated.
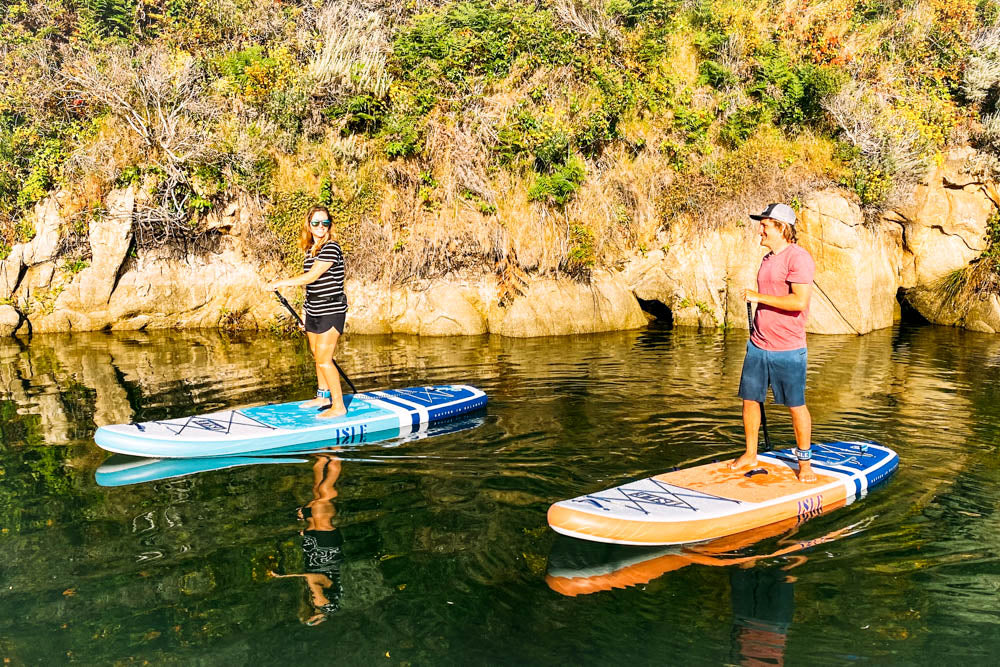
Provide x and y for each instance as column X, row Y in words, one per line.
column 284, row 302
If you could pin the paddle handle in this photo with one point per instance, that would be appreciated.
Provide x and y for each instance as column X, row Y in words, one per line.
column 763, row 415
column 284, row 302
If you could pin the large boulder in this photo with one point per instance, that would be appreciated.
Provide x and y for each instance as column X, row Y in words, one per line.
column 560, row 306
column 984, row 315
column 434, row 309
column 858, row 266
column 158, row 288
column 110, row 239
column 42, row 247
column 547, row 307
column 9, row 320
column 944, row 230
column 945, row 222
column 699, row 275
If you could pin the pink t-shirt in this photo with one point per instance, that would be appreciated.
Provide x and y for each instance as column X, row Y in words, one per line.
column 775, row 329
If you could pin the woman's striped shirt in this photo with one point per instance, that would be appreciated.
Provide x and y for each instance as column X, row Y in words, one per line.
column 326, row 295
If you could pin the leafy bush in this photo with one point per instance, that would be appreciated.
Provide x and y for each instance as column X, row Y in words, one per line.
column 254, row 74
column 551, row 150
column 99, row 19
column 361, row 114
column 601, row 127
column 743, row 123
column 478, row 39
column 559, row 186
column 582, row 255
column 404, row 137
column 31, row 158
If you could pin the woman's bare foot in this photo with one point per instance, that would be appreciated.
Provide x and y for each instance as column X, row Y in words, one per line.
column 745, row 461
column 317, row 402
column 334, row 411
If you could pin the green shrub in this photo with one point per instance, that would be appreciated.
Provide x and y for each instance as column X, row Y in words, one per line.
column 559, row 186
column 552, row 149
column 255, row 74
column 467, row 40
column 742, row 124
column 642, row 12
column 695, row 123
column 871, row 181
column 992, row 251
column 601, row 127
column 714, row 74
column 582, row 254
column 75, row 266
column 32, row 153
column 284, row 219
column 519, row 135
column 361, row 114
column 100, row 19
column 404, row 137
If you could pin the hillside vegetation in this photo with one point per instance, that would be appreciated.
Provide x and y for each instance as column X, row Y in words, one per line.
column 493, row 135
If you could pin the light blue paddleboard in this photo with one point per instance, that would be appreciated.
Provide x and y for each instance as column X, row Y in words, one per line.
column 286, row 426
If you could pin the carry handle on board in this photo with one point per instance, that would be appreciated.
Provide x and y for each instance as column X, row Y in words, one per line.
column 298, row 319
column 763, row 416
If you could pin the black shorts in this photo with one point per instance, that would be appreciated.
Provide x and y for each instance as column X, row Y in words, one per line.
column 318, row 324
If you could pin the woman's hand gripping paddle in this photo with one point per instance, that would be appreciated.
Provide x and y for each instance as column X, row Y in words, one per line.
column 763, row 416
column 302, row 326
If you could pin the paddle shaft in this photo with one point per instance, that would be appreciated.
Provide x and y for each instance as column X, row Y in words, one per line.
column 284, row 302
column 763, row 415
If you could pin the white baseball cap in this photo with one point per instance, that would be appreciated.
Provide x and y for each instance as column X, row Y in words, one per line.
column 780, row 212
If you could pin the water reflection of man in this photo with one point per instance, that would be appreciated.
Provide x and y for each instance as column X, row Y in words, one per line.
column 321, row 543
column 763, row 606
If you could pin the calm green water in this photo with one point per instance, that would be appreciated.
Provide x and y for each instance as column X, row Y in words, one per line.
column 444, row 548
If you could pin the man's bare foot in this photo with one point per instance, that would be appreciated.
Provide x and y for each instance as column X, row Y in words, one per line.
column 317, row 402
column 745, row 461
column 806, row 473
column 338, row 411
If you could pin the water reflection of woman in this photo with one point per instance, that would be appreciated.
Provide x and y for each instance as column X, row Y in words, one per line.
column 321, row 543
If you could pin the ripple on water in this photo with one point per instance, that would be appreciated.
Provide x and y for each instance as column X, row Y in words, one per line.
column 445, row 546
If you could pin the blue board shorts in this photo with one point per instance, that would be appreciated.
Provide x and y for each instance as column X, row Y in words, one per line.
column 784, row 371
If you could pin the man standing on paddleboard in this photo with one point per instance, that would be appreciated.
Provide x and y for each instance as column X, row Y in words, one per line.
column 776, row 352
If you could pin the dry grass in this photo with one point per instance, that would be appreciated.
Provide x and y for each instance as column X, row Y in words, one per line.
column 162, row 98
column 587, row 17
column 355, row 49
column 95, row 166
column 982, row 74
column 766, row 168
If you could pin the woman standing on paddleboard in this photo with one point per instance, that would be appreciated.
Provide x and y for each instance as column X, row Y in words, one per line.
column 326, row 306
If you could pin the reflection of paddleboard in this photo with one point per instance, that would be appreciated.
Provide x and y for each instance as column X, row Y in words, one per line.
column 121, row 470
column 270, row 427
column 578, row 568
column 711, row 501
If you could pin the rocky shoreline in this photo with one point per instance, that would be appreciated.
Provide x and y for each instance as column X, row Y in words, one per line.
column 866, row 271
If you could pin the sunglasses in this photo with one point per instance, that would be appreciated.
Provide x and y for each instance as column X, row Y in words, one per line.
column 317, row 223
